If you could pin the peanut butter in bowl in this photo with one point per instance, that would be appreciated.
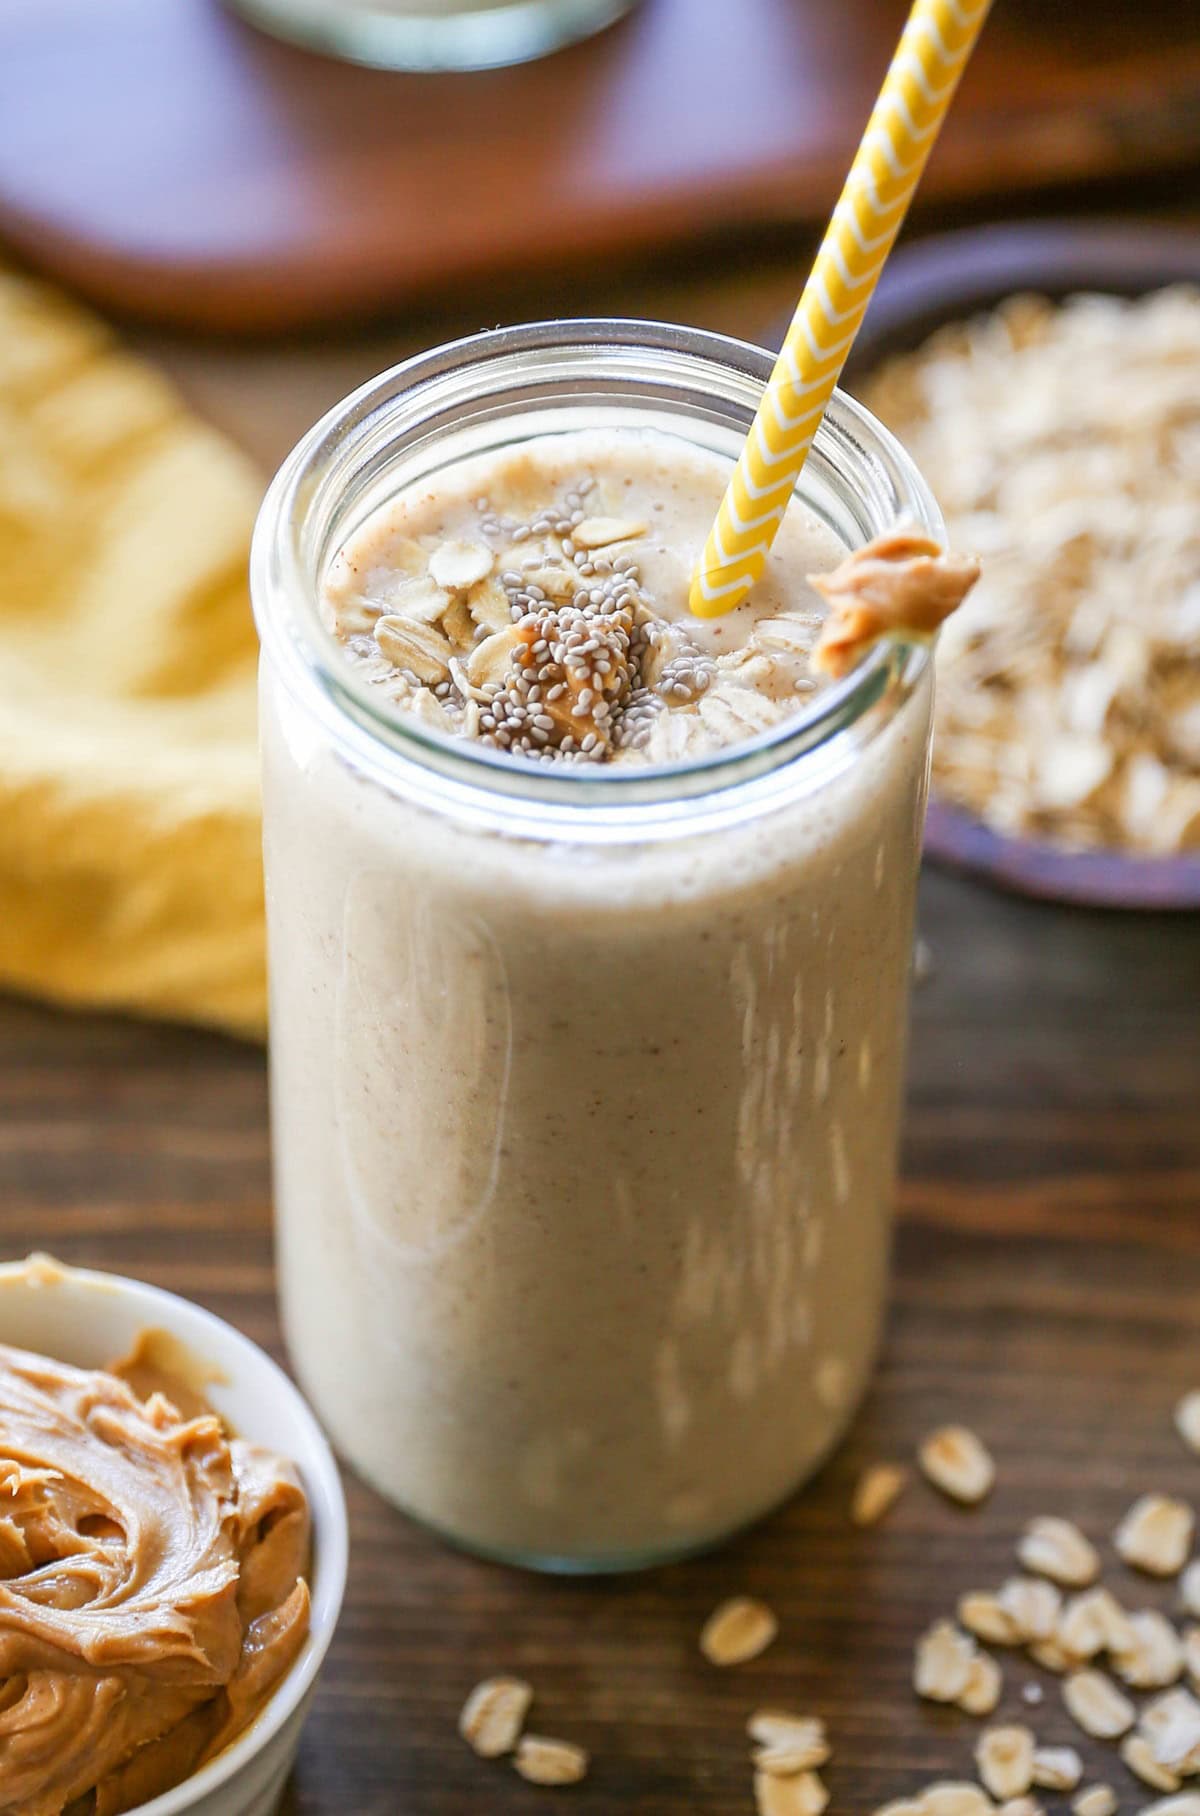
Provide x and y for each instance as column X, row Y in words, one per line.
column 154, row 1579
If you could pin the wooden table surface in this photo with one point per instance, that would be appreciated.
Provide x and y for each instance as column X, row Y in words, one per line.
column 1047, row 1293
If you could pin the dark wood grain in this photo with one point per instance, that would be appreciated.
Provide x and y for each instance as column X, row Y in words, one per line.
column 169, row 160
column 1047, row 1292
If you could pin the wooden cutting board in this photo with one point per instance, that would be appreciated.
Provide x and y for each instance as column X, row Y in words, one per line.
column 170, row 161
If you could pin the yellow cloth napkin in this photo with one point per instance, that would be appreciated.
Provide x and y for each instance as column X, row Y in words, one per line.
column 130, row 869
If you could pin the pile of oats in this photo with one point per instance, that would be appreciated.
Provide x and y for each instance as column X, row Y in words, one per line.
column 1104, row 1653
column 1063, row 443
column 1056, row 1612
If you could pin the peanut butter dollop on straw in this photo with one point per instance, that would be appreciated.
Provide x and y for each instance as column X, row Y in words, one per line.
column 900, row 585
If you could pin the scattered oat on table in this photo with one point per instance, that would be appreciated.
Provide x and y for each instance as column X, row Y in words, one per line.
column 737, row 1631
column 1056, row 1768
column 1144, row 1763
column 986, row 1616
column 1034, row 1604
column 1187, row 1419
column 942, row 1665
column 984, row 1685
column 787, row 1743
column 802, row 1794
column 543, row 1761
column 1095, row 1800
column 1155, row 1656
column 1093, row 1622
column 1191, row 1652
column 1171, row 1724
column 877, row 1489
column 1052, row 1655
column 1160, row 1745
column 1094, row 1701
column 1156, row 1535
column 1004, row 1757
column 954, row 1797
column 1057, row 1549
column 1189, row 1588
column 1061, row 443
column 959, row 1463
column 494, row 1714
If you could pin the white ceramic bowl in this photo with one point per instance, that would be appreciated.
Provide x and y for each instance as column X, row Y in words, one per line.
column 88, row 1319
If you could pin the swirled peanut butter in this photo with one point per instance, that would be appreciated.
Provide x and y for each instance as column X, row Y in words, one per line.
column 151, row 1584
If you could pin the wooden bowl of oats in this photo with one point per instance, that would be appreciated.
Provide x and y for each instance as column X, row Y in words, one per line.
column 1046, row 378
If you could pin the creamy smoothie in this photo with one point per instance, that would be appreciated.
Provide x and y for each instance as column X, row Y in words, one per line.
column 584, row 1145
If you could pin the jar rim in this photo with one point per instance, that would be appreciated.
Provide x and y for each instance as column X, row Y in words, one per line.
column 372, row 421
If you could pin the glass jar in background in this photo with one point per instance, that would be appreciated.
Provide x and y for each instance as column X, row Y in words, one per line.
column 434, row 34
column 585, row 1085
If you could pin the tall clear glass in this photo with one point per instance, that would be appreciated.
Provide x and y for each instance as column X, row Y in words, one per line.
column 585, row 1082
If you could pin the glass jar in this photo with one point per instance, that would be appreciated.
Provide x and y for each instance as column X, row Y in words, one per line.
column 585, row 1082
column 434, row 34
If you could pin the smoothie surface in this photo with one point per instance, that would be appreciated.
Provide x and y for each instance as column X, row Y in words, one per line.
column 535, row 598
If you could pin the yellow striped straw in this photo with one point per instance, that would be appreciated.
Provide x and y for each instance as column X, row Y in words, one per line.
column 930, row 57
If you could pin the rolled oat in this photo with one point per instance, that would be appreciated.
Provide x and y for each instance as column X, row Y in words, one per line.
column 1056, row 1548
column 1187, row 1419
column 787, row 1743
column 494, row 1714
column 984, row 1685
column 737, row 1631
column 1057, row 1768
column 1139, row 1756
column 801, row 1795
column 958, row 1462
column 876, row 1491
column 1095, row 1702
column 1156, row 1535
column 550, row 1762
column 1095, row 1800
column 943, row 1663
column 1004, row 1757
